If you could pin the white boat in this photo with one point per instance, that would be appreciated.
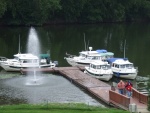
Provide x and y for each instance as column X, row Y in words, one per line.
column 24, row 61
column 86, row 57
column 100, row 70
column 123, row 68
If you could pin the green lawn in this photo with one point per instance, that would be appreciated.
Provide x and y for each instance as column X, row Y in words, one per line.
column 57, row 108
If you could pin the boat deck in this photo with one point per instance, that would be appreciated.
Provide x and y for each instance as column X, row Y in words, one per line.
column 94, row 86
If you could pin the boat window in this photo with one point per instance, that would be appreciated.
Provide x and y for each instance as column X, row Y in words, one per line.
column 108, row 66
column 94, row 58
column 14, row 61
column 82, row 55
column 24, row 61
column 111, row 56
column 35, row 61
column 103, row 58
column 99, row 67
column 27, row 61
column 129, row 65
column 94, row 66
column 16, row 58
column 99, row 58
column 122, row 66
column 113, row 65
column 89, row 57
column 103, row 66
column 117, row 66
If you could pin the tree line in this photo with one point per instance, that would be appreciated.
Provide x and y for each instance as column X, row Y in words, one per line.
column 40, row 12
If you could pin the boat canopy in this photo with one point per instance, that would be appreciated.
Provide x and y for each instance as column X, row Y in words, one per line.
column 25, row 56
column 110, row 53
column 107, row 54
column 111, row 60
column 88, row 52
column 101, row 51
column 44, row 56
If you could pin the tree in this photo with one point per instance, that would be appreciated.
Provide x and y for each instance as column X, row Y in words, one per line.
column 31, row 12
column 3, row 7
column 71, row 9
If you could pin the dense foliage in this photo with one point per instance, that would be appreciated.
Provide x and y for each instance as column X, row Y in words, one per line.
column 39, row 12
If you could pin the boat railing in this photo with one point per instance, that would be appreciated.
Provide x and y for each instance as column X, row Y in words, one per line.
column 70, row 55
column 143, row 98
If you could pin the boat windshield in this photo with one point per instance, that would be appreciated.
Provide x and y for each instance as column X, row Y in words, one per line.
column 129, row 65
column 105, row 66
column 122, row 66
column 89, row 57
column 82, row 55
column 126, row 66
column 95, row 58
column 30, row 61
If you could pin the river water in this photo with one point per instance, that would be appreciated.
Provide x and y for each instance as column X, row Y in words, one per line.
column 59, row 39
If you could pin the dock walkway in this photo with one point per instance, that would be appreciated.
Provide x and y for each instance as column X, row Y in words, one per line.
column 99, row 89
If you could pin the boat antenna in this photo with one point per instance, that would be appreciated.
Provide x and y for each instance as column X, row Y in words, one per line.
column 124, row 48
column 84, row 41
column 49, row 43
column 19, row 45
column 87, row 45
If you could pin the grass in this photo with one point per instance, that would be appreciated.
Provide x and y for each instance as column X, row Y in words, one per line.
column 57, row 108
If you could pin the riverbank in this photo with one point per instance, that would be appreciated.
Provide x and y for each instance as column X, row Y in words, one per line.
column 57, row 108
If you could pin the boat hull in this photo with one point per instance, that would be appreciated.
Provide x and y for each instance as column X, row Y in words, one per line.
column 8, row 67
column 125, row 75
column 72, row 62
column 101, row 76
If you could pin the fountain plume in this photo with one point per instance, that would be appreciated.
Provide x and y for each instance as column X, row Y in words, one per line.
column 33, row 47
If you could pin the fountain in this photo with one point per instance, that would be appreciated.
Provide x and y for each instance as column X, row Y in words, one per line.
column 33, row 47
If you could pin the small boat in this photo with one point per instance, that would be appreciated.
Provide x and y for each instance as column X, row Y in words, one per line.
column 123, row 68
column 26, row 60
column 100, row 70
column 86, row 57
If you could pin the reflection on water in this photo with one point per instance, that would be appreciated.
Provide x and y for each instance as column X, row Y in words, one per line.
column 52, row 88
column 60, row 39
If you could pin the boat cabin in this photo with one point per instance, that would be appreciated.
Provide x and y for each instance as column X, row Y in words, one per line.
column 26, row 58
column 100, row 65
column 44, row 58
column 105, row 54
column 120, row 63
column 93, row 55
